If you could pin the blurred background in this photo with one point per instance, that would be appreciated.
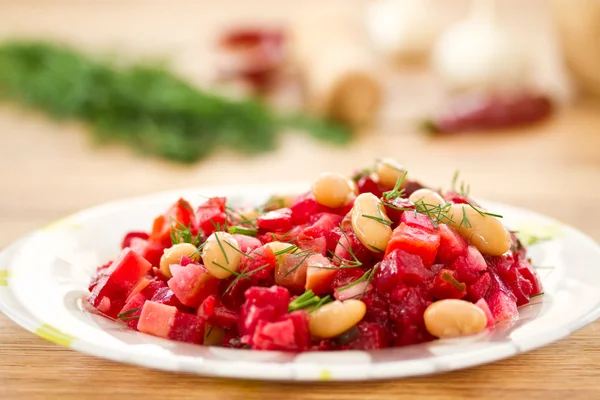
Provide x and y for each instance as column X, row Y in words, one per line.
column 101, row 100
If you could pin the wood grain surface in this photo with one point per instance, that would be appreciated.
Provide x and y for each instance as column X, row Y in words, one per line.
column 48, row 170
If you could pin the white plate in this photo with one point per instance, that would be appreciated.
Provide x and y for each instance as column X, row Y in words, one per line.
column 44, row 276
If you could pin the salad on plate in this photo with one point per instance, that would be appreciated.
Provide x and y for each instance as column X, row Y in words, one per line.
column 366, row 262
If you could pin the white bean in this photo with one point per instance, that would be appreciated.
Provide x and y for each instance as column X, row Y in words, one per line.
column 221, row 255
column 485, row 232
column 389, row 171
column 426, row 196
column 335, row 318
column 370, row 223
column 333, row 190
column 454, row 318
column 173, row 255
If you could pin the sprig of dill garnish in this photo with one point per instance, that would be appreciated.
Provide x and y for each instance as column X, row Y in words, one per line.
column 144, row 106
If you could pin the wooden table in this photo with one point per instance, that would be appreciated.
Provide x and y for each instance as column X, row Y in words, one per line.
column 51, row 170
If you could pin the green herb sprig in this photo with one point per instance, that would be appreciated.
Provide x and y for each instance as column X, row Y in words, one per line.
column 146, row 107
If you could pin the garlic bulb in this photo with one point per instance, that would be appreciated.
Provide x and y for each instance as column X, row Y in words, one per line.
column 479, row 53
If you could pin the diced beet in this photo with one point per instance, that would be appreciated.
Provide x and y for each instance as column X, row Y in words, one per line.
column 320, row 274
column 289, row 333
column 305, row 206
column 187, row 328
column 132, row 310
column 324, row 227
column 502, row 306
column 151, row 251
column 418, row 220
column 371, row 336
column 232, row 339
column 377, row 308
column 138, row 288
column 290, row 272
column 211, row 215
column 316, row 245
column 452, row 244
column 399, row 267
column 469, row 266
column 101, row 272
column 153, row 287
column 481, row 303
column 276, row 221
column 395, row 208
column 156, row 319
column 247, row 243
column 529, row 273
column 447, row 286
column 124, row 274
column 180, row 213
column 232, row 291
column 456, row 198
column 411, row 186
column 406, row 307
column 349, row 242
column 192, row 284
column 224, row 316
column 262, row 304
column 415, row 241
column 520, row 286
column 366, row 184
column 289, row 236
column 345, row 276
column 478, row 289
column 166, row 296
column 499, row 264
column 207, row 308
column 130, row 235
column 263, row 261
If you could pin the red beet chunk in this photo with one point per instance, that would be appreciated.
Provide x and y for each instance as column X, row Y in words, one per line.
column 455, row 198
column 349, row 242
column 124, row 274
column 224, row 316
column 377, row 308
column 527, row 272
column 101, row 272
column 479, row 289
column 418, row 220
column 520, row 286
column 399, row 267
column 396, row 207
column 153, row 287
column 415, row 241
column 346, row 276
column 446, row 286
column 371, row 336
column 502, row 306
column 288, row 333
column 262, row 304
column 366, row 184
column 211, row 215
column 263, row 261
column 452, row 244
column 247, row 243
column 180, row 213
column 305, row 207
column 232, row 291
column 132, row 310
column 469, row 266
column 192, row 284
column 130, row 235
column 407, row 306
column 166, row 296
column 318, row 245
column 187, row 328
column 151, row 251
column 276, row 221
column 324, row 227
column 289, row 236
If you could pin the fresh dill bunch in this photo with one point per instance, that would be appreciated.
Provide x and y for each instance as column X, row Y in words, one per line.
column 144, row 106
